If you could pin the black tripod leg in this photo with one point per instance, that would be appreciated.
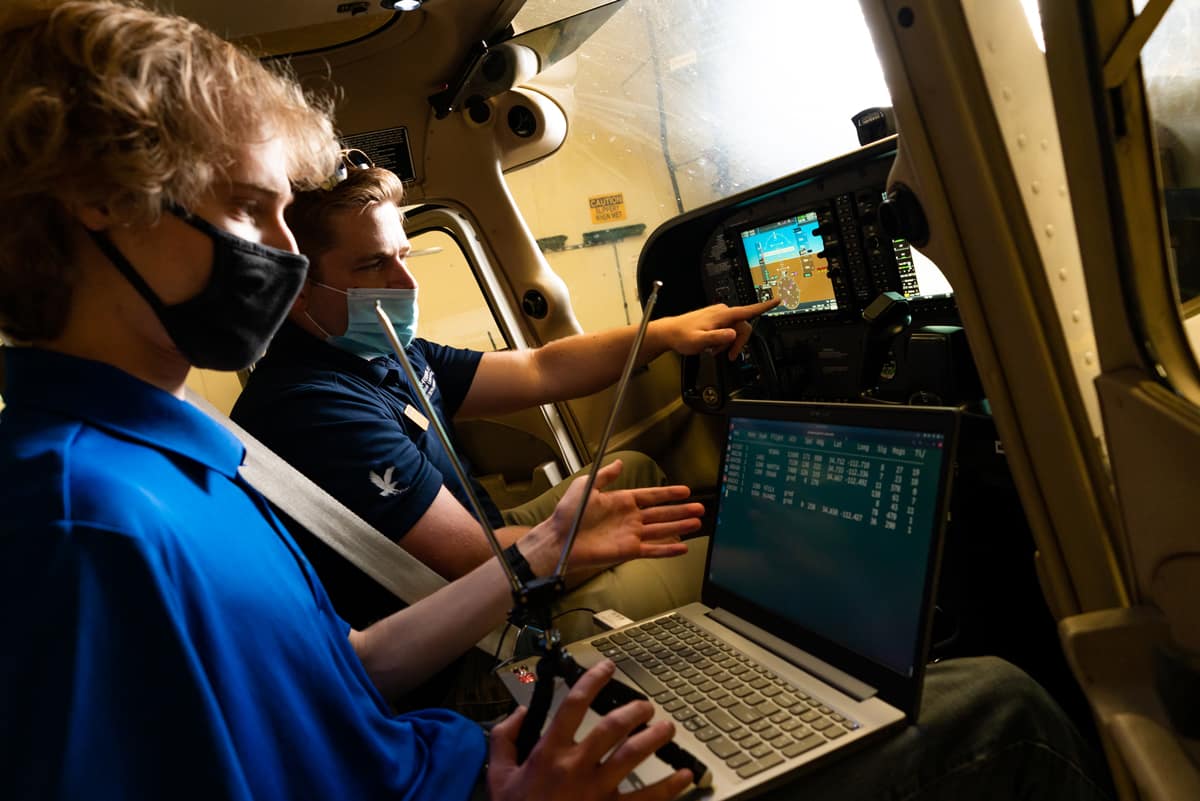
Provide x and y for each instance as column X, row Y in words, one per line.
column 539, row 707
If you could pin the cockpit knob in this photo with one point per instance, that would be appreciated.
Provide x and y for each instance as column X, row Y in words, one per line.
column 901, row 216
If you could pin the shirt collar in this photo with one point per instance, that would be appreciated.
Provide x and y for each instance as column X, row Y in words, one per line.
column 295, row 346
column 112, row 399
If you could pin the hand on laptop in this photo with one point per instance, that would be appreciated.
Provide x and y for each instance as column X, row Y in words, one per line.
column 618, row 525
column 714, row 328
column 560, row 768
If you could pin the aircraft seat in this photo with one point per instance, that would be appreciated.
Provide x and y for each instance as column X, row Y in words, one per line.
column 1114, row 654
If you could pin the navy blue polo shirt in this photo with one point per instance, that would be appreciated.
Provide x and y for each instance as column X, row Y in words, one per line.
column 163, row 636
column 355, row 427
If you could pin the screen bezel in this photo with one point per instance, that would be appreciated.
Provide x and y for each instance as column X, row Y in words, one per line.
column 734, row 241
column 902, row 691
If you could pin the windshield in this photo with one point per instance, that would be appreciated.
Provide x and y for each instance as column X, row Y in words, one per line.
column 673, row 104
column 724, row 95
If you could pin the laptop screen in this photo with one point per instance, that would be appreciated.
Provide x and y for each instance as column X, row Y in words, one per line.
column 829, row 527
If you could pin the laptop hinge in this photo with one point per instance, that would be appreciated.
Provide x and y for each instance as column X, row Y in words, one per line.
column 858, row 690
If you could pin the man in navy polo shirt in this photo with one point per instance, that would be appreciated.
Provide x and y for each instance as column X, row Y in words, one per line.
column 332, row 400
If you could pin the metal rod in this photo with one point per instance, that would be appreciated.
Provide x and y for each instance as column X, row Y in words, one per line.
column 436, row 422
column 622, row 385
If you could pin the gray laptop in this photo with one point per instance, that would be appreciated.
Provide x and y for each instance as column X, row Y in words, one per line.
column 813, row 630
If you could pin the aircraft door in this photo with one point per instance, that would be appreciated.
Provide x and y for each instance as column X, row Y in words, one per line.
column 1132, row 82
column 517, row 456
column 1097, row 392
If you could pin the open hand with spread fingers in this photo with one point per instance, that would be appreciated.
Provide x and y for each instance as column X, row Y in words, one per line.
column 561, row 769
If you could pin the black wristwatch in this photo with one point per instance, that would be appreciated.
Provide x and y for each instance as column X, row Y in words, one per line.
column 516, row 561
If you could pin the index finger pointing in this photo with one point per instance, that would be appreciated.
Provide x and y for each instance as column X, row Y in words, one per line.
column 737, row 313
column 754, row 309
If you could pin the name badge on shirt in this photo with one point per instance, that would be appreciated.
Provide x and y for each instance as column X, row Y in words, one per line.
column 412, row 413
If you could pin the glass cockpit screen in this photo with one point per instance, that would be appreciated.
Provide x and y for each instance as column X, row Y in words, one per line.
column 785, row 262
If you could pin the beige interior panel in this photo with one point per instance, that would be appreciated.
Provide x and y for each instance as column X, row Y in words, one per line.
column 1111, row 654
column 221, row 389
column 1154, row 437
column 338, row 22
column 506, row 456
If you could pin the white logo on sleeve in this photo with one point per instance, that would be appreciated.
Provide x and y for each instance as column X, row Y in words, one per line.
column 386, row 486
column 429, row 381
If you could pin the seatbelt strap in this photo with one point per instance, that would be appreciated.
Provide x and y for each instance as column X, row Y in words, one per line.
column 395, row 569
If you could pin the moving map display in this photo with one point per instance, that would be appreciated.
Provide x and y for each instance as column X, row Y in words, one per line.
column 785, row 262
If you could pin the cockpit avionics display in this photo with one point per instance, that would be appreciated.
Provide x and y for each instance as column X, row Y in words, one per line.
column 786, row 260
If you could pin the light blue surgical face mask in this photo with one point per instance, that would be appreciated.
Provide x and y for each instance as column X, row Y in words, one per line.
column 364, row 336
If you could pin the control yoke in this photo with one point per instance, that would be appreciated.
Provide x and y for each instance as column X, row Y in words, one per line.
column 887, row 317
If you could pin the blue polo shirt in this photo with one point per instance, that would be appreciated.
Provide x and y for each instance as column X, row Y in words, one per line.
column 163, row 636
column 355, row 427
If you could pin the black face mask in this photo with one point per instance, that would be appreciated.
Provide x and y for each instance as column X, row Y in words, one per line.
column 229, row 324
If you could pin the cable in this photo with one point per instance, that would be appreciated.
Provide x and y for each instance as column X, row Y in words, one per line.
column 576, row 609
column 500, row 646
column 499, row 665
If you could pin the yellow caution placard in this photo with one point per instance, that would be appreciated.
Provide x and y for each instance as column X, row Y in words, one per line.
column 607, row 208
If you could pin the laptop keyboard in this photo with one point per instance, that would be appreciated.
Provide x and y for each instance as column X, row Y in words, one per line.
column 747, row 715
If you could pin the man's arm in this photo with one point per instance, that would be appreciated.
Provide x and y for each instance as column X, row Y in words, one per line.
column 349, row 441
column 450, row 540
column 401, row 651
column 507, row 381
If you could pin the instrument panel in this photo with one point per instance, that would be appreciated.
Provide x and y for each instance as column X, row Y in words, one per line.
column 815, row 241
column 864, row 318
column 820, row 257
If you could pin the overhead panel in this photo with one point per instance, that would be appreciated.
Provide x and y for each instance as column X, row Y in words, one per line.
column 237, row 20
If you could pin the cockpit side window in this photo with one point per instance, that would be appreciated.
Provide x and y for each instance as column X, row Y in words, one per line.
column 1171, row 72
column 454, row 310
